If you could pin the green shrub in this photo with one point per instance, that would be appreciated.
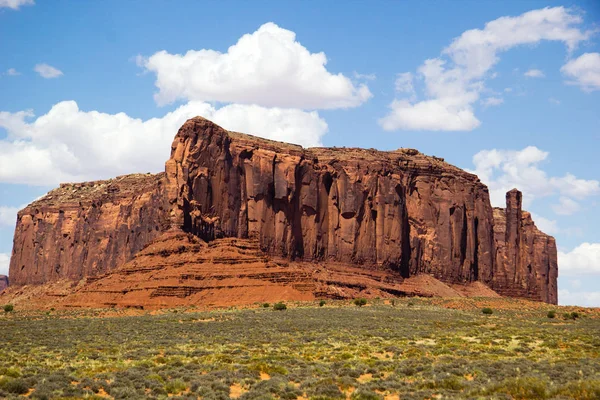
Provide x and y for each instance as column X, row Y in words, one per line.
column 360, row 302
column 11, row 372
column 551, row 314
column 583, row 390
column 175, row 386
column 523, row 388
column 365, row 394
column 279, row 306
column 327, row 389
column 266, row 305
column 321, row 303
column 487, row 311
column 8, row 308
column 16, row 386
column 452, row 383
column 574, row 315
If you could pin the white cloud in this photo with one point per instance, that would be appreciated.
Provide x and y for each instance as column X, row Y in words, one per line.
column 583, row 259
column 583, row 299
column 15, row 4
column 12, row 72
column 68, row 144
column 569, row 185
column 545, row 225
column 534, row 73
column 268, row 68
column 454, row 81
column 4, row 263
column 503, row 170
column 404, row 83
column 575, row 283
column 365, row 77
column 492, row 101
column 584, row 71
column 47, row 71
column 554, row 101
column 566, row 206
column 427, row 115
column 8, row 216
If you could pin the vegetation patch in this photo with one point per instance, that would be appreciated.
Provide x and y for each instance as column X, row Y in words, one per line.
column 383, row 351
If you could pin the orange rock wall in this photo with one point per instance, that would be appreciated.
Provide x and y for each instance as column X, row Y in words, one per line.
column 86, row 229
column 526, row 258
column 400, row 210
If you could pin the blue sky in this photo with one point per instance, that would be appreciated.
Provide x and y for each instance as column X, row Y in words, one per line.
column 509, row 90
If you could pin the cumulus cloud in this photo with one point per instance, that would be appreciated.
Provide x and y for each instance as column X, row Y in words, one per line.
column 578, row 298
column 15, row 4
column 492, row 101
column 583, row 259
column 584, row 71
column 455, row 80
column 503, row 170
column 268, row 67
column 47, row 71
column 427, row 115
column 12, row 72
column 4, row 262
column 404, row 83
column 365, row 77
column 8, row 216
column 566, row 206
column 68, row 144
column 534, row 73
column 545, row 225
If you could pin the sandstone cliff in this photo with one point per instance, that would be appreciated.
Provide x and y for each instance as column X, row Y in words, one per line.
column 397, row 211
column 86, row 229
column 401, row 210
column 526, row 258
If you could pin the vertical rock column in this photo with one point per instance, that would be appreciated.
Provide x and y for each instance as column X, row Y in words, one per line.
column 526, row 258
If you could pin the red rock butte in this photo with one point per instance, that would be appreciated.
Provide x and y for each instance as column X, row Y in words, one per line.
column 236, row 219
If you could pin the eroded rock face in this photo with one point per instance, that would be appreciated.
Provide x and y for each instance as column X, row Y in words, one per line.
column 3, row 282
column 398, row 211
column 179, row 269
column 87, row 229
column 526, row 258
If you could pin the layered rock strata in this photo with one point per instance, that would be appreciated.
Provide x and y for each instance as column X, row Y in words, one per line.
column 180, row 269
column 3, row 282
column 400, row 210
column 365, row 210
column 87, row 229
